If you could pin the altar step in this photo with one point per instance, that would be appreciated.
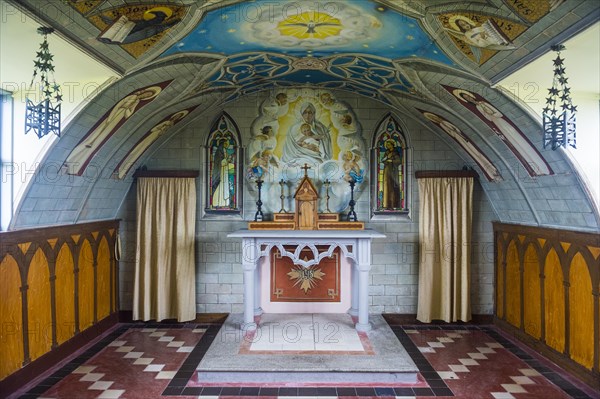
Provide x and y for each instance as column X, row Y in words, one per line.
column 304, row 379
column 307, row 343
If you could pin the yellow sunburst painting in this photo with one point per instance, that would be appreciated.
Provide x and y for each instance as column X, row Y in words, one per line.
column 310, row 24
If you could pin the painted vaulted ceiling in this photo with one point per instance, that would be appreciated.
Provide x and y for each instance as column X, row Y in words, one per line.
column 434, row 62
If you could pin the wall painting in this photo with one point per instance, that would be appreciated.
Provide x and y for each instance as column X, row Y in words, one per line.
column 486, row 166
column 108, row 124
column 147, row 140
column 478, row 36
column 306, row 126
column 505, row 129
column 135, row 28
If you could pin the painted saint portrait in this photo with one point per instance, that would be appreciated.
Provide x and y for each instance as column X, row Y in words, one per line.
column 136, row 29
column 480, row 36
column 390, row 167
column 505, row 129
column 110, row 122
column 223, row 165
column 147, row 140
column 486, row 166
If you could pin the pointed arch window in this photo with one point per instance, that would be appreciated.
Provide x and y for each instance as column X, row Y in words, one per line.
column 223, row 176
column 390, row 168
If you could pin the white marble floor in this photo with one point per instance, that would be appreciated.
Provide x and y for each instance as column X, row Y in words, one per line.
column 305, row 343
column 306, row 332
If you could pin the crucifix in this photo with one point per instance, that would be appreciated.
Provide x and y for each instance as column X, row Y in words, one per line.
column 306, row 168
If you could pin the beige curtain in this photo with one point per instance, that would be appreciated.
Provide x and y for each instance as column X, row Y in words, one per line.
column 165, row 283
column 445, row 215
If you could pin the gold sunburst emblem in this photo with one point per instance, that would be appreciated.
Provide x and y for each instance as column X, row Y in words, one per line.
column 310, row 24
column 305, row 276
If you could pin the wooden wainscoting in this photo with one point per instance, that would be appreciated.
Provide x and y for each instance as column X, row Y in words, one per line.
column 547, row 284
column 55, row 283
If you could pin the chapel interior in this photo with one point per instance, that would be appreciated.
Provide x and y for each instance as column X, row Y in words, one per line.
column 224, row 198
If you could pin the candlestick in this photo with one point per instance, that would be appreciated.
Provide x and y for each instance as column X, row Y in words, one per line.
column 351, row 214
column 282, row 197
column 327, row 183
column 258, row 216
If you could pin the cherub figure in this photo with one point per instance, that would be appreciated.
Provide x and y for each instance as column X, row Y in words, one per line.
column 266, row 138
column 259, row 164
column 352, row 170
column 281, row 99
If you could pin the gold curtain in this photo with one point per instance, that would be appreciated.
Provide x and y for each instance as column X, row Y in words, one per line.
column 165, row 283
column 445, row 215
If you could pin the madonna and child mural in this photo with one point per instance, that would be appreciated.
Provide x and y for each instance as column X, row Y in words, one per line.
column 306, row 126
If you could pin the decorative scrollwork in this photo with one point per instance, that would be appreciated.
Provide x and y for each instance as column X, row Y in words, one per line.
column 309, row 63
column 348, row 250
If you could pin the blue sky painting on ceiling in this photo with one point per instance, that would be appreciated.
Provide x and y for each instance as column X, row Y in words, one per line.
column 311, row 28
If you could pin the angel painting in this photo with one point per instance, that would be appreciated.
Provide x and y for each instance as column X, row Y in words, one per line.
column 260, row 164
column 352, row 170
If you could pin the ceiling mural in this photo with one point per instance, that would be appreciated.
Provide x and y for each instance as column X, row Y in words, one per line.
column 533, row 10
column 371, row 76
column 124, row 166
column 306, row 126
column 487, row 167
column 479, row 37
column 86, row 6
column 135, row 28
column 505, row 129
column 107, row 125
column 427, row 61
column 311, row 29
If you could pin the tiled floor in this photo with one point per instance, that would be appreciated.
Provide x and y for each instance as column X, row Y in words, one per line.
column 159, row 360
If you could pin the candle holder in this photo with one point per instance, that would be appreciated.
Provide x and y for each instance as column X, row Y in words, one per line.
column 258, row 216
column 327, row 183
column 352, row 214
column 282, row 197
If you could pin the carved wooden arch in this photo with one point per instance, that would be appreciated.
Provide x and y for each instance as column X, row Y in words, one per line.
column 592, row 264
column 587, row 244
column 565, row 257
column 40, row 239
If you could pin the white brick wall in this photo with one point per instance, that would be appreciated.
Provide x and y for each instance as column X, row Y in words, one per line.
column 394, row 275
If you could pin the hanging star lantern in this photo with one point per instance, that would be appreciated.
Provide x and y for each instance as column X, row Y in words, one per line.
column 44, row 117
column 559, row 121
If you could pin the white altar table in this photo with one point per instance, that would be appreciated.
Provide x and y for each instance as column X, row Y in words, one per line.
column 355, row 245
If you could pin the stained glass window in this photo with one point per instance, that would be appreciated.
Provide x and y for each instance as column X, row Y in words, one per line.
column 390, row 148
column 223, row 163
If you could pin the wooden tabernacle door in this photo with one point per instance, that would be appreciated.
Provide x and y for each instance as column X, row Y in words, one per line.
column 295, row 283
